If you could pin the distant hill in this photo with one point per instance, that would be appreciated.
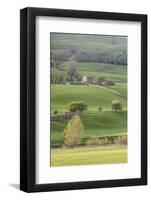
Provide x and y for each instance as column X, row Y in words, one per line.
column 90, row 43
column 96, row 55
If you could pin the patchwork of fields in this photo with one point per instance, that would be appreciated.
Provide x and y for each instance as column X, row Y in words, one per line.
column 91, row 69
column 96, row 123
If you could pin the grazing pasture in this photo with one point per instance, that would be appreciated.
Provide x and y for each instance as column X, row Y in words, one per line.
column 121, row 88
column 62, row 95
column 106, row 123
column 96, row 123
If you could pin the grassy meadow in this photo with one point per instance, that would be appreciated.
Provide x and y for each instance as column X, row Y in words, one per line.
column 85, row 155
column 74, row 56
column 96, row 123
column 94, row 96
column 121, row 88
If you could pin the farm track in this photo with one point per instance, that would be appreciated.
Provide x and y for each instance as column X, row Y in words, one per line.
column 111, row 90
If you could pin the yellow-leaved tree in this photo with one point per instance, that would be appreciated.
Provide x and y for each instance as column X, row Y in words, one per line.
column 73, row 132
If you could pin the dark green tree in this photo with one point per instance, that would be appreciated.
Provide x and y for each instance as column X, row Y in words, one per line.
column 116, row 106
column 78, row 106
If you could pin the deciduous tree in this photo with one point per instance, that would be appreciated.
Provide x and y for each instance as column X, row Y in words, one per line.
column 116, row 105
column 73, row 132
column 78, row 106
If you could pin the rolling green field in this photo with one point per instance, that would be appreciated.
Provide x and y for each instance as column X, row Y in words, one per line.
column 104, row 138
column 121, row 88
column 103, row 68
column 85, row 155
column 62, row 95
column 96, row 123
column 116, row 73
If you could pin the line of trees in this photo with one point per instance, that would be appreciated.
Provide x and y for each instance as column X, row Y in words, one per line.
column 80, row 106
column 84, row 56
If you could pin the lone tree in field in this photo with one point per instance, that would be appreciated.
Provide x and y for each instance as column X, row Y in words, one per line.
column 116, row 105
column 78, row 106
column 100, row 80
column 73, row 132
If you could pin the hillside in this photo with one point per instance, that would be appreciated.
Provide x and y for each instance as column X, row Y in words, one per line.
column 95, row 55
column 104, row 123
column 62, row 95
column 116, row 73
column 83, row 42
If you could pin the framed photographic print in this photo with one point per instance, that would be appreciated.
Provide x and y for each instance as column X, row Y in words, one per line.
column 83, row 96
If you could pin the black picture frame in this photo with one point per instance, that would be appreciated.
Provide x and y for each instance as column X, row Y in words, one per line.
column 28, row 99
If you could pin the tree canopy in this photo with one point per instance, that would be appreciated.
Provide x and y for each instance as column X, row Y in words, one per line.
column 73, row 132
column 78, row 106
column 116, row 105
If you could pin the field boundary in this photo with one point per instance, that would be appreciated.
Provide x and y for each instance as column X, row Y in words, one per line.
column 66, row 115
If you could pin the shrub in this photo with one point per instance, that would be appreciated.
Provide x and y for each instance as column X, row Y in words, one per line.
column 55, row 112
column 121, row 140
column 96, row 141
column 105, row 141
column 116, row 105
column 73, row 132
column 93, row 142
column 100, row 108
